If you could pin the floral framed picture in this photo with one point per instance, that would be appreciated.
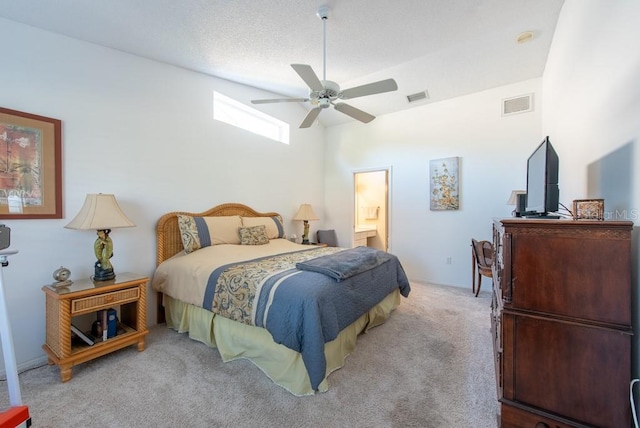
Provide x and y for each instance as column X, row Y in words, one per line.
column 30, row 166
column 444, row 184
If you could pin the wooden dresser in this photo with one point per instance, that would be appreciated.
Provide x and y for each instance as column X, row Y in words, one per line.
column 561, row 322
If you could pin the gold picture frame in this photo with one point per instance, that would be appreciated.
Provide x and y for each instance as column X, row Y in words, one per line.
column 588, row 209
column 30, row 166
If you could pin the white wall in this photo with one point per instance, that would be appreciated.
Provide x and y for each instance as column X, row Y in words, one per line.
column 592, row 95
column 493, row 151
column 143, row 131
column 592, row 107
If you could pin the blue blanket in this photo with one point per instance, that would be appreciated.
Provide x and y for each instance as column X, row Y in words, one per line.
column 303, row 310
column 347, row 263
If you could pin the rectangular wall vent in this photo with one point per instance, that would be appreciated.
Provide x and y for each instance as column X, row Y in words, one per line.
column 519, row 104
column 424, row 95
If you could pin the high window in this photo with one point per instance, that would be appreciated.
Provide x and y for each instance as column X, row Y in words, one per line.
column 234, row 113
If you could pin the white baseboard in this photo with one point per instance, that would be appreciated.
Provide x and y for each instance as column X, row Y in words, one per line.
column 27, row 365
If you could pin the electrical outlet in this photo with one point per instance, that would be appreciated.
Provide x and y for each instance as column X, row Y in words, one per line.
column 449, row 260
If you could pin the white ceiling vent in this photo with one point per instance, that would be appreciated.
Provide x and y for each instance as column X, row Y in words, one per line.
column 519, row 104
column 424, row 95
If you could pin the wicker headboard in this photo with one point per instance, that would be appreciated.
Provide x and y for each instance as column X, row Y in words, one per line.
column 169, row 241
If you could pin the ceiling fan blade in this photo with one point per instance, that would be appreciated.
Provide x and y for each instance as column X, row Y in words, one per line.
column 309, row 76
column 370, row 89
column 280, row 100
column 354, row 112
column 310, row 117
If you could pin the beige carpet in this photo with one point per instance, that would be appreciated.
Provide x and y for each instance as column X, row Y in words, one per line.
column 430, row 365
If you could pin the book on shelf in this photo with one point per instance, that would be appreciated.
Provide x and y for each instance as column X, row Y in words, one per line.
column 103, row 315
column 88, row 340
column 112, row 323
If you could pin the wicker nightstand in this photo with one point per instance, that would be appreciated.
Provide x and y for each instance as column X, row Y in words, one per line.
column 127, row 290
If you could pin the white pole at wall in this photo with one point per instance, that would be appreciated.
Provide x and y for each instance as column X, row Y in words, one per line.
column 11, row 368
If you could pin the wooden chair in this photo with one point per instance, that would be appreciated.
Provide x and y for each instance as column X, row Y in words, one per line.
column 482, row 259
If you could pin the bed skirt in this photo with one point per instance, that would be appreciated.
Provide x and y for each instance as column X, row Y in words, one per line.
column 282, row 365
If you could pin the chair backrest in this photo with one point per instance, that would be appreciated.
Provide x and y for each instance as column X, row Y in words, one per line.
column 483, row 251
column 327, row 237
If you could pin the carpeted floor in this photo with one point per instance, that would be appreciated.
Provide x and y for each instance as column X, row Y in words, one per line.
column 430, row 365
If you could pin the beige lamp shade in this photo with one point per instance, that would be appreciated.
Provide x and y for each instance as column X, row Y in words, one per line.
column 513, row 199
column 99, row 212
column 305, row 212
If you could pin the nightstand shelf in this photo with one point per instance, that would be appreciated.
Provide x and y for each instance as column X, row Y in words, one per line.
column 127, row 290
column 78, row 345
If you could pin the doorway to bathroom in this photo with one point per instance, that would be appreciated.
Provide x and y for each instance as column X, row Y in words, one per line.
column 371, row 208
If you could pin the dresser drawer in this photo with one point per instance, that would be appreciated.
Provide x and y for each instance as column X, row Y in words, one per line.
column 513, row 417
column 94, row 303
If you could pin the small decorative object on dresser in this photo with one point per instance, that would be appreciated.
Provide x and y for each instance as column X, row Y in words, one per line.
column 589, row 209
column 61, row 275
column 519, row 199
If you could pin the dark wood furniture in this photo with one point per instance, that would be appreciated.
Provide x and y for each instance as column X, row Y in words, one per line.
column 481, row 259
column 561, row 322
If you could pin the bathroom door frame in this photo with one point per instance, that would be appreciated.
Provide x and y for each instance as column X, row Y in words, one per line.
column 388, row 169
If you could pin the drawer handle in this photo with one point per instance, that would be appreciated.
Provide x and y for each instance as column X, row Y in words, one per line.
column 541, row 425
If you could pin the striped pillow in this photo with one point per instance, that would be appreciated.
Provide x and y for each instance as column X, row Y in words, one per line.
column 201, row 232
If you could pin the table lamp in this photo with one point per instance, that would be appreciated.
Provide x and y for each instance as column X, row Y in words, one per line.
column 519, row 199
column 102, row 213
column 305, row 213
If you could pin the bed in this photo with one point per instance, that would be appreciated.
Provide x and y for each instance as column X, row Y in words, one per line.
column 230, row 279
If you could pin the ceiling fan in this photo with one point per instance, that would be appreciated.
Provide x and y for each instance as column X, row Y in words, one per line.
column 324, row 93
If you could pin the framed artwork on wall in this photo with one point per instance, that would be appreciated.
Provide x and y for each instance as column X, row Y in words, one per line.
column 30, row 166
column 444, row 184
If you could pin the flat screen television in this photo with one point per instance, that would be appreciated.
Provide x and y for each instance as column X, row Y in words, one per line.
column 542, row 182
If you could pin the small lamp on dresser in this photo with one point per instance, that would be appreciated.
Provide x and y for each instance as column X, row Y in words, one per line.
column 519, row 199
column 102, row 213
column 305, row 213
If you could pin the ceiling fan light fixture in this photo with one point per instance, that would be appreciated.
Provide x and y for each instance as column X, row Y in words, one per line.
column 331, row 89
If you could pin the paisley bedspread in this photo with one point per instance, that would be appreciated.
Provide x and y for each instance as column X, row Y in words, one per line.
column 301, row 309
column 232, row 288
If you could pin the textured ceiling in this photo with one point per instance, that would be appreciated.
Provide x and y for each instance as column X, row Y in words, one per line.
column 447, row 47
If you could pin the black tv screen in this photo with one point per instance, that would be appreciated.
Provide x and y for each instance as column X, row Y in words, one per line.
column 542, row 181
